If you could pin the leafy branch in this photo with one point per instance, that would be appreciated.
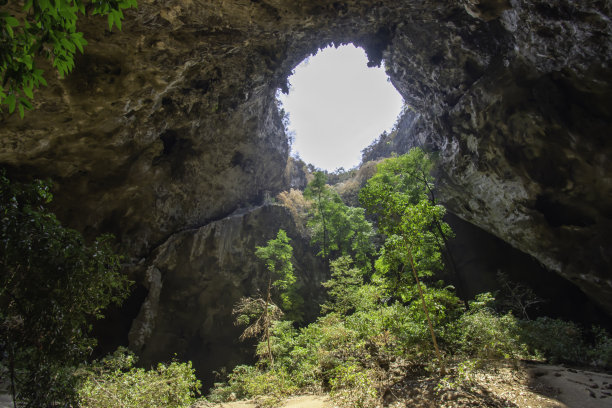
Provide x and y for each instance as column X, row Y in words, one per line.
column 47, row 29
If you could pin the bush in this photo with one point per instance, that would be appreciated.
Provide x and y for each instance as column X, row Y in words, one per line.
column 484, row 334
column 269, row 387
column 601, row 353
column 115, row 383
column 555, row 340
column 353, row 386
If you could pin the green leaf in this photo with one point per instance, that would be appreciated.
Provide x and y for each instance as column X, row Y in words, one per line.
column 11, row 21
column 28, row 91
column 68, row 45
column 10, row 101
column 118, row 17
column 21, row 111
column 110, row 22
column 25, row 103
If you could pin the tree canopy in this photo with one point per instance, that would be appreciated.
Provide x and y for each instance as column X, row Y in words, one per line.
column 52, row 284
column 336, row 228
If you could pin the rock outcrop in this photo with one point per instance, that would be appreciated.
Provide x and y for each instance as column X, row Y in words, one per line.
column 196, row 277
column 172, row 124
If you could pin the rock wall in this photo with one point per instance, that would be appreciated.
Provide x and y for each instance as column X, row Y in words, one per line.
column 522, row 131
column 196, row 277
column 171, row 125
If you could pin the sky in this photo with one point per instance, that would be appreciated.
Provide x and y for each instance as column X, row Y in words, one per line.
column 337, row 106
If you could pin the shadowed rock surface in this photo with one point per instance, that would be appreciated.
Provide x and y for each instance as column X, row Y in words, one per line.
column 172, row 125
column 196, row 277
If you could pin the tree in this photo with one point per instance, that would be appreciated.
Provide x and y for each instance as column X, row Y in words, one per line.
column 337, row 228
column 409, row 176
column 52, row 284
column 258, row 313
column 398, row 195
column 316, row 190
column 516, row 297
column 343, row 287
column 47, row 29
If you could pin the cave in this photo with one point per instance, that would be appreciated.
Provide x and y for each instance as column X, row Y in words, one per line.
column 168, row 135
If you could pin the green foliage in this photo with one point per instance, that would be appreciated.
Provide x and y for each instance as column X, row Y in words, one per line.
column 44, row 28
column 484, row 335
column 399, row 183
column 343, row 287
column 336, row 228
column 52, row 284
column 390, row 318
column 277, row 255
column 115, row 383
column 257, row 314
column 555, row 340
column 354, row 386
column 399, row 194
column 268, row 387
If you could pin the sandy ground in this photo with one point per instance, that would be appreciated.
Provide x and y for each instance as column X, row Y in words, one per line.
column 6, row 401
column 572, row 388
column 303, row 401
column 533, row 386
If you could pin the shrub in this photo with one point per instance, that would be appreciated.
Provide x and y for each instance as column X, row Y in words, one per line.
column 115, row 383
column 555, row 339
column 269, row 387
column 601, row 353
column 352, row 386
column 484, row 334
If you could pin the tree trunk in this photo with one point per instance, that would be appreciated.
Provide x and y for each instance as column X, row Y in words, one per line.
column 325, row 252
column 424, row 304
column 267, row 322
column 461, row 287
column 12, row 374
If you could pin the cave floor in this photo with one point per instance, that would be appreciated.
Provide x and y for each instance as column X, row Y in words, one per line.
column 531, row 385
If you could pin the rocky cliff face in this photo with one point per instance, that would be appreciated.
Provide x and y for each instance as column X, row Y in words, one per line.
column 522, row 130
column 196, row 277
column 172, row 125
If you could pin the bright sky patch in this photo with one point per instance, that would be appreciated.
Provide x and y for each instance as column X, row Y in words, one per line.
column 337, row 106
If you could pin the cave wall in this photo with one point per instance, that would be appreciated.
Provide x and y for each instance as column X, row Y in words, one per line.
column 195, row 278
column 477, row 257
column 521, row 123
column 172, row 125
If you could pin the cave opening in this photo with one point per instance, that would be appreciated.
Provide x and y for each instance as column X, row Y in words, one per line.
column 337, row 106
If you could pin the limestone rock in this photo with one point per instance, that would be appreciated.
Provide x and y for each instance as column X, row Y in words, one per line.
column 196, row 277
